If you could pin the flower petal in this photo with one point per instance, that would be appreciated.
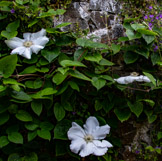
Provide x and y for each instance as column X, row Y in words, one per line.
column 101, row 132
column 140, row 78
column 14, row 42
column 27, row 54
column 38, row 34
column 75, row 132
column 146, row 79
column 102, row 144
column 130, row 79
column 42, row 41
column 87, row 149
column 77, row 144
column 27, row 36
column 121, row 80
column 36, row 48
column 91, row 124
column 19, row 50
column 100, row 151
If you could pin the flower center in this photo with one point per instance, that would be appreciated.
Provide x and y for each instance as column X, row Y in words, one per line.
column 88, row 138
column 28, row 43
column 135, row 74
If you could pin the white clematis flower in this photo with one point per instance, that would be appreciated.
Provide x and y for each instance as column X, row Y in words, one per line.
column 87, row 141
column 132, row 78
column 32, row 43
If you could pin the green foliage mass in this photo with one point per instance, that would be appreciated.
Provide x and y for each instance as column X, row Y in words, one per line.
column 70, row 80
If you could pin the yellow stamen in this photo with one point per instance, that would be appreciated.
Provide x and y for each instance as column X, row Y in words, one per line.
column 28, row 43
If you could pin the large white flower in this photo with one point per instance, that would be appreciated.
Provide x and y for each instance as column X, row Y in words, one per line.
column 32, row 43
column 87, row 140
column 132, row 78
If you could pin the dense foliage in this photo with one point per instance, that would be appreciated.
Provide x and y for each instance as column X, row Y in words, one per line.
column 71, row 79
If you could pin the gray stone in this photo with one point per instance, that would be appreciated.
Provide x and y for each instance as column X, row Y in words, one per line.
column 99, row 16
column 99, row 19
column 104, row 5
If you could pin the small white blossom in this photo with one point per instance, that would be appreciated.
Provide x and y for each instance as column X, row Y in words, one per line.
column 132, row 78
column 32, row 43
column 87, row 141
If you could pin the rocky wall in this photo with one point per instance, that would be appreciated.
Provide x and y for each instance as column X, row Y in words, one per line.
column 100, row 17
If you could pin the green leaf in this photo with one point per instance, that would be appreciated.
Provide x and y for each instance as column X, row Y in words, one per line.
column 34, row 84
column 67, row 106
column 147, row 32
column 143, row 52
column 11, row 30
column 2, row 88
column 31, row 135
column 31, row 157
column 105, row 62
column 115, row 48
column 130, row 34
column 46, row 125
column 22, row 2
column 5, row 3
column 136, row 108
column 12, row 81
column 130, row 57
column 137, row 26
column 159, row 135
column 155, row 58
column 59, row 111
column 14, row 157
column 68, row 63
column 33, row 22
column 98, row 105
column 58, row 78
column 98, row 82
column 107, row 106
column 150, row 102
column 61, row 129
column 77, row 74
column 80, row 54
column 74, row 85
column 11, row 27
column 148, row 38
column 96, row 57
column 29, row 70
column 4, row 117
column 31, row 126
column 15, row 137
column 21, row 96
column 50, row 55
column 107, row 77
column 9, row 35
column 122, row 115
column 152, row 118
column 63, row 25
column 153, row 80
column 59, row 11
column 8, row 65
column 37, row 107
column 131, row 19
column 44, row 92
column 45, row 134
column 62, row 70
column 91, row 44
column 123, row 39
column 51, row 12
column 3, row 141
column 23, row 116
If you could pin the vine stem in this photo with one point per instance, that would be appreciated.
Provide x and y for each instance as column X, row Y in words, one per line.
column 136, row 89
